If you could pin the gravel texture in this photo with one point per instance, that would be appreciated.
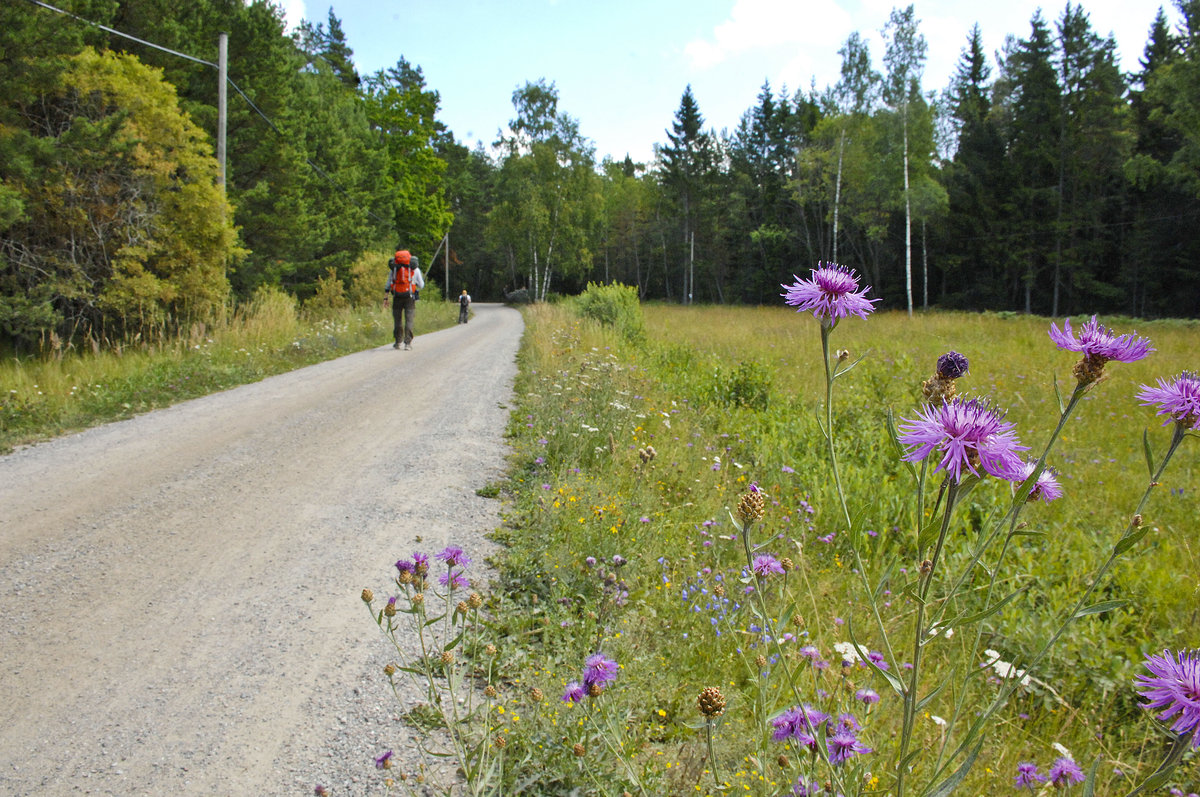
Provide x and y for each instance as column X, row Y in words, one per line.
column 181, row 591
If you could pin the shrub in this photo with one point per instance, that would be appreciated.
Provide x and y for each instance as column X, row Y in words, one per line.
column 614, row 306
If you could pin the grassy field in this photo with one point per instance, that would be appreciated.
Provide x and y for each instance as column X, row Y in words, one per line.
column 42, row 397
column 640, row 449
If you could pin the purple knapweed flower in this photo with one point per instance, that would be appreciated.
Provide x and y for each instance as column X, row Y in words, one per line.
column 590, row 561
column 1178, row 399
column 1046, row 488
column 867, row 696
column 1096, row 342
column 1064, row 772
column 877, row 659
column 1174, row 686
column 843, row 745
column 765, row 565
column 574, row 692
column 793, row 724
column 453, row 580
column 420, row 563
column 383, row 762
column 453, row 556
column 968, row 433
column 599, row 670
column 952, row 365
column 1028, row 776
column 831, row 294
column 405, row 566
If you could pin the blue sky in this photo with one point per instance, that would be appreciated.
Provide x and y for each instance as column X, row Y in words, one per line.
column 620, row 66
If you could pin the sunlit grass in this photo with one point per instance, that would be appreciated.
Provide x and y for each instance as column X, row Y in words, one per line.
column 641, row 451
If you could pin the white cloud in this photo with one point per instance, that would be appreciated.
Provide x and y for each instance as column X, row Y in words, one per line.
column 758, row 24
column 293, row 12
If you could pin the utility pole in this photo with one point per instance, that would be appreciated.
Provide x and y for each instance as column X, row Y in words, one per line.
column 222, row 80
column 447, row 265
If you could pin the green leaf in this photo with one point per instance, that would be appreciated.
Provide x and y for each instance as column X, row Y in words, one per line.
column 892, row 680
column 988, row 612
column 1129, row 540
column 1058, row 395
column 1161, row 775
column 894, row 434
column 936, row 691
column 1100, row 608
column 1089, row 785
column 947, row 786
column 453, row 643
column 1146, row 450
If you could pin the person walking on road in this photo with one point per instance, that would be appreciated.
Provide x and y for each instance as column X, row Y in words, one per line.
column 403, row 287
column 464, row 302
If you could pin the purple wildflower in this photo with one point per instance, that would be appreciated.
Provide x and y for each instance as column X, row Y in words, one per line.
column 453, row 580
column 1046, row 488
column 1064, row 772
column 1178, row 399
column 832, row 294
column 453, row 556
column 765, row 565
column 793, row 724
column 384, row 761
column 404, row 566
column 867, row 696
column 843, row 745
column 590, row 561
column 968, row 433
column 1174, row 686
column 574, row 692
column 805, row 787
column 952, row 365
column 599, row 670
column 420, row 563
column 877, row 659
column 1099, row 345
column 1028, row 776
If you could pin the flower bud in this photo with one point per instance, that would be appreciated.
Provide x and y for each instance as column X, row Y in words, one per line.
column 367, row 597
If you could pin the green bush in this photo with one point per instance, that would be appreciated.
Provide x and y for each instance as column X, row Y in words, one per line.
column 614, row 306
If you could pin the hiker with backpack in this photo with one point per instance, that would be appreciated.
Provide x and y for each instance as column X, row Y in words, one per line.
column 403, row 286
column 464, row 301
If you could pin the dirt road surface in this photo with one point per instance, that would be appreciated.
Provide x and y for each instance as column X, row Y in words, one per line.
column 180, row 591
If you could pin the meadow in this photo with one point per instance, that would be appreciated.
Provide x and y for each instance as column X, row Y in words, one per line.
column 634, row 645
column 73, row 388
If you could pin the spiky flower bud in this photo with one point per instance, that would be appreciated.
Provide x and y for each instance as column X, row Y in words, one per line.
column 490, row 691
column 418, row 598
column 474, row 600
column 579, row 750
column 783, row 762
column 462, row 608
column 368, row 596
column 760, row 661
column 719, row 590
column 787, row 564
column 390, row 609
column 926, row 567
column 1137, row 521
column 536, row 695
column 711, row 702
column 501, row 742
column 489, row 649
column 751, row 506
column 447, row 657
column 594, row 689
column 389, row 670
column 405, row 577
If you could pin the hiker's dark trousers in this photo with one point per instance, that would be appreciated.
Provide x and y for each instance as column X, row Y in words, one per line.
column 404, row 306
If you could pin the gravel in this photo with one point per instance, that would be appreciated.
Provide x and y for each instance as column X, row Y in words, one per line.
column 181, row 590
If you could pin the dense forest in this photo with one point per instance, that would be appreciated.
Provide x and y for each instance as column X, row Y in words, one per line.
column 1043, row 180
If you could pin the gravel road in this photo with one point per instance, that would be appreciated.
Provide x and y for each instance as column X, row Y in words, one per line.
column 180, row 591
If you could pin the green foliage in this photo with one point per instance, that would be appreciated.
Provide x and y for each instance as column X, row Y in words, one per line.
column 627, row 450
column 744, row 385
column 124, row 231
column 615, row 306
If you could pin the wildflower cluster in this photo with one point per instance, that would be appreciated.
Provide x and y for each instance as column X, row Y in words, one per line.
column 598, row 672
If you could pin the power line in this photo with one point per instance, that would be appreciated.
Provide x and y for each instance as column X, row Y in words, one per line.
column 325, row 175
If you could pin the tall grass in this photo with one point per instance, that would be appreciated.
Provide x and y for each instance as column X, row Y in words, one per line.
column 45, row 396
column 639, row 452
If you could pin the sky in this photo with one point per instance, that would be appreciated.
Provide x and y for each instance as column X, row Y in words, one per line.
column 621, row 66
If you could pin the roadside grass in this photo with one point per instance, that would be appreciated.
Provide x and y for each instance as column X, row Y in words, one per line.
column 41, row 397
column 640, row 448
